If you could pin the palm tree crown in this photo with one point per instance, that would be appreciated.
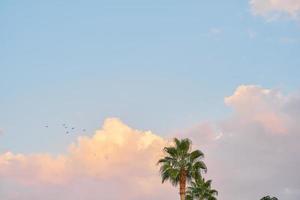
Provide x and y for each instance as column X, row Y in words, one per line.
column 181, row 164
column 268, row 198
column 201, row 190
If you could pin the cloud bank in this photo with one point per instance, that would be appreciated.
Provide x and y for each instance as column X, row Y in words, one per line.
column 257, row 149
column 251, row 153
column 118, row 162
column 273, row 9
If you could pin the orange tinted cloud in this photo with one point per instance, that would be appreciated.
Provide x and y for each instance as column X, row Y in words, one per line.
column 31, row 169
column 116, row 149
column 118, row 162
column 114, row 154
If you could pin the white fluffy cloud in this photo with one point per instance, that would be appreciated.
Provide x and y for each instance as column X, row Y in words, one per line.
column 273, row 9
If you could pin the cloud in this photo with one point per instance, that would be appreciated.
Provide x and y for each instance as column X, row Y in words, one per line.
column 273, row 9
column 259, row 106
column 257, row 153
column 250, row 153
column 117, row 162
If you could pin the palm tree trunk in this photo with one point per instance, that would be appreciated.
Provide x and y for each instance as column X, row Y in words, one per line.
column 182, row 184
column 182, row 196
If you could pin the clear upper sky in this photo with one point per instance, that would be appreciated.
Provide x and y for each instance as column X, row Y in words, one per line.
column 156, row 64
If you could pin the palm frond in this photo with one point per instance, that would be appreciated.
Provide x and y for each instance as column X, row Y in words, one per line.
column 197, row 154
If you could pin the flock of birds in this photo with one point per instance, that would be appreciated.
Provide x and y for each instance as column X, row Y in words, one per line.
column 71, row 128
column 68, row 129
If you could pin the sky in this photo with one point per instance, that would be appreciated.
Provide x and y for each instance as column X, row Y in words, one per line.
column 225, row 74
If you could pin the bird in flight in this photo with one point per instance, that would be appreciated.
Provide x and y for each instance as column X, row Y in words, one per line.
column 67, row 129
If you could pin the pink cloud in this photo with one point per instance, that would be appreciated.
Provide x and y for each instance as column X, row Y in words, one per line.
column 272, row 9
column 258, row 147
column 246, row 154
column 116, row 156
column 256, row 105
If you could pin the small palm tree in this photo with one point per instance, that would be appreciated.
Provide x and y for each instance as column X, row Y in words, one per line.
column 268, row 198
column 201, row 190
column 181, row 164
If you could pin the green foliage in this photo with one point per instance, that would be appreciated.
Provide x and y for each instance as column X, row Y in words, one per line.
column 201, row 190
column 268, row 198
column 181, row 159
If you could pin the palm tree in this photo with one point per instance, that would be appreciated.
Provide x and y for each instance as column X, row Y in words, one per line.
column 181, row 164
column 201, row 190
column 268, row 198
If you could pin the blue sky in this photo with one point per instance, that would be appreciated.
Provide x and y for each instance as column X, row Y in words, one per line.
column 159, row 65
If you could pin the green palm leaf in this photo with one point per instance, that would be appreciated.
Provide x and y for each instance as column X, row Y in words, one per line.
column 181, row 165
